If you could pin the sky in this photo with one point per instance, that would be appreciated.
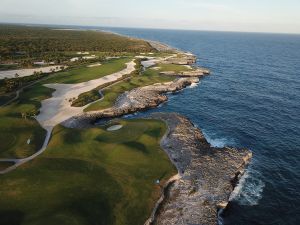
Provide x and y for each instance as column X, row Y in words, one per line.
column 277, row 16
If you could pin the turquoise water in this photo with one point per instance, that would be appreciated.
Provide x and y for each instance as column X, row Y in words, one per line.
column 251, row 99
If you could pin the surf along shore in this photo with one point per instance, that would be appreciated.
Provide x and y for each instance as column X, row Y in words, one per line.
column 206, row 175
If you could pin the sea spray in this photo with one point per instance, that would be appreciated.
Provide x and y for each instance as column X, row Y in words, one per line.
column 218, row 142
column 249, row 189
column 193, row 85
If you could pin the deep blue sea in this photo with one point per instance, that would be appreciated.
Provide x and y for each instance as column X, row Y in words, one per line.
column 252, row 100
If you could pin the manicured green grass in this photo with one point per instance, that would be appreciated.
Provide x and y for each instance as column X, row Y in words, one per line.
column 5, row 165
column 89, row 177
column 14, row 134
column 84, row 73
column 15, row 130
column 6, row 97
column 9, row 66
column 111, row 93
column 94, row 95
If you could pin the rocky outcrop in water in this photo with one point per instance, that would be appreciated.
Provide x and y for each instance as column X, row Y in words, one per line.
column 198, row 72
column 208, row 175
column 135, row 100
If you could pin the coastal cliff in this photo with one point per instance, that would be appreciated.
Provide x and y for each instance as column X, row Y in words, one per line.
column 206, row 175
column 133, row 101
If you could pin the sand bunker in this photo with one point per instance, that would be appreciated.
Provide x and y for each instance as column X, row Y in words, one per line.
column 58, row 108
column 28, row 72
column 94, row 65
column 156, row 68
column 114, row 127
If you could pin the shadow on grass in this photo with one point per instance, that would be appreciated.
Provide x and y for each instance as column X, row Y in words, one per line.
column 95, row 210
column 134, row 145
column 11, row 217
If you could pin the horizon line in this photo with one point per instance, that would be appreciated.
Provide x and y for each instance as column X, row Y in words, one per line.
column 146, row 28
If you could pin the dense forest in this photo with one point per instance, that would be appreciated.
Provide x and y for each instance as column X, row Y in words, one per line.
column 21, row 42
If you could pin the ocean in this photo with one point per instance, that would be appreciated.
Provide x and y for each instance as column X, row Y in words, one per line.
column 251, row 100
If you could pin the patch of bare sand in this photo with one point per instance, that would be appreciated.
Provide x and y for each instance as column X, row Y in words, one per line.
column 28, row 72
column 58, row 108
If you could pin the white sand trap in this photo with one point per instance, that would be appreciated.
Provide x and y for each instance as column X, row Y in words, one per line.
column 74, row 59
column 27, row 72
column 153, row 60
column 89, row 57
column 156, row 68
column 149, row 62
column 114, row 127
column 112, row 57
column 83, row 53
column 94, row 65
column 57, row 109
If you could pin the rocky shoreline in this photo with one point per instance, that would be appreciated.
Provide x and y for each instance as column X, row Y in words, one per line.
column 138, row 99
column 207, row 175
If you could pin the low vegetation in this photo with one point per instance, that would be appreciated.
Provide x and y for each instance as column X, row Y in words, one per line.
column 89, row 177
column 25, row 43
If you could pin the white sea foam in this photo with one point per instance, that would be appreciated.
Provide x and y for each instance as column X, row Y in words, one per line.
column 249, row 189
column 193, row 85
column 218, row 142
column 220, row 219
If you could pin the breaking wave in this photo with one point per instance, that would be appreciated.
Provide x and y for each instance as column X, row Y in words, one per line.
column 249, row 189
column 193, row 85
column 218, row 142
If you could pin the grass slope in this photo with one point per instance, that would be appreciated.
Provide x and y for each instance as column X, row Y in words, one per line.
column 111, row 93
column 15, row 130
column 89, row 177
column 84, row 73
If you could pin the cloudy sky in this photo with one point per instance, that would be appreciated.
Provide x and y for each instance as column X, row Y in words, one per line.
column 230, row 15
